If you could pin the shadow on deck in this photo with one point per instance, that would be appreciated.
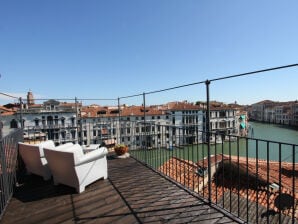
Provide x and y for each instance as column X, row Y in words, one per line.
column 133, row 193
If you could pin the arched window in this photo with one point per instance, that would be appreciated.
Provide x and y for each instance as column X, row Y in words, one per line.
column 13, row 124
column 50, row 120
column 36, row 120
column 62, row 121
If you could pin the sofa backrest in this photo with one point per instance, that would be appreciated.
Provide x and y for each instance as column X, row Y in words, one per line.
column 46, row 144
column 62, row 164
column 30, row 155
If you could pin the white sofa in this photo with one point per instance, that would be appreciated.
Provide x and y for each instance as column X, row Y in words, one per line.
column 34, row 159
column 71, row 167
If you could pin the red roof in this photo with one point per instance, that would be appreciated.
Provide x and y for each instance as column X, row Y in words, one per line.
column 226, row 178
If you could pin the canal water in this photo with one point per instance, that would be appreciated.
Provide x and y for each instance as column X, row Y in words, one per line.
column 265, row 141
column 274, row 132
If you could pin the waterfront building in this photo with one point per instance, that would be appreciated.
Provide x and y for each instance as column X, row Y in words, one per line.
column 282, row 114
column 295, row 114
column 7, row 115
column 50, row 120
column 275, row 112
column 222, row 119
column 258, row 110
column 184, row 123
column 131, row 125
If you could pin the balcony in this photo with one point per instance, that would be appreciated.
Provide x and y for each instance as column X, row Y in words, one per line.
column 170, row 182
column 125, row 197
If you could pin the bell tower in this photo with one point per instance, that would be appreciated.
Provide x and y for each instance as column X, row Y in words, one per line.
column 30, row 98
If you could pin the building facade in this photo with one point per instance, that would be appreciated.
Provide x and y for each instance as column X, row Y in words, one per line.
column 169, row 125
column 284, row 113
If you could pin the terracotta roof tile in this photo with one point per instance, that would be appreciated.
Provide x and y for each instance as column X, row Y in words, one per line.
column 186, row 173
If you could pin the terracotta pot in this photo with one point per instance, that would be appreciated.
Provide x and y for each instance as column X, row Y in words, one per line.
column 120, row 150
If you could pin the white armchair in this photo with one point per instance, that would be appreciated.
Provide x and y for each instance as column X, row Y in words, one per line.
column 34, row 159
column 70, row 166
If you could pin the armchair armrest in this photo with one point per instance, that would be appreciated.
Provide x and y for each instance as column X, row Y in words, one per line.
column 91, row 156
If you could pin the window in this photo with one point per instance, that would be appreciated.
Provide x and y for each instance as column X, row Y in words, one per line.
column 128, row 130
column 13, row 124
column 50, row 120
column 94, row 132
column 43, row 121
column 62, row 121
column 222, row 114
column 73, row 134
column 56, row 120
column 72, row 121
column 85, row 133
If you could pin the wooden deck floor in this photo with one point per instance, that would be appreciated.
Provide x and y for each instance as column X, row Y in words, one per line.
column 132, row 194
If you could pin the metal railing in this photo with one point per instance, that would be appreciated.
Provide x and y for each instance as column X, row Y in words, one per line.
column 253, row 179
column 8, row 166
column 234, row 173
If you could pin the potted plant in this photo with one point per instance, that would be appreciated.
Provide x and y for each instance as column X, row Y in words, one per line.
column 121, row 149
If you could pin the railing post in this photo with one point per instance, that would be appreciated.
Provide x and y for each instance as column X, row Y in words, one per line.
column 119, row 136
column 5, row 193
column 208, row 138
column 21, row 112
column 77, row 119
column 145, row 135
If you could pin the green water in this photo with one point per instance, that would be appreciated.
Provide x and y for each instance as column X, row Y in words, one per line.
column 273, row 132
column 264, row 144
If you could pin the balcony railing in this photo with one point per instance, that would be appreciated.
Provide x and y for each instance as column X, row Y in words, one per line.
column 8, row 166
column 251, row 178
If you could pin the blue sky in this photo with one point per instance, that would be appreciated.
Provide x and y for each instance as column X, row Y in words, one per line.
column 108, row 49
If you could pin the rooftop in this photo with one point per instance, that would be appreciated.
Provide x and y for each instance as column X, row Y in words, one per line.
column 253, row 187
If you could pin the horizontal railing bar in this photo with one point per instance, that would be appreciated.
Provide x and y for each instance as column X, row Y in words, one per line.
column 254, row 72
column 182, row 86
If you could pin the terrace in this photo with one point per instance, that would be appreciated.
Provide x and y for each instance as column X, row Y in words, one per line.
column 178, row 174
column 162, row 185
column 123, row 198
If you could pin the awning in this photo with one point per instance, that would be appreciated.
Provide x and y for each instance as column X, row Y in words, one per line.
column 242, row 125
